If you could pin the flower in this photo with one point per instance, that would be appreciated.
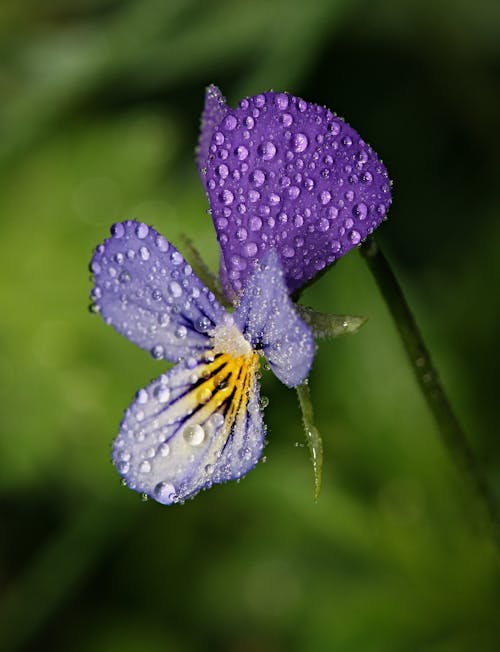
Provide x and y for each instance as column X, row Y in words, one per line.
column 291, row 189
column 200, row 423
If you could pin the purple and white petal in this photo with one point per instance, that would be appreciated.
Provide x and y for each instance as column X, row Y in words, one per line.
column 286, row 174
column 267, row 318
column 214, row 110
column 193, row 427
column 147, row 292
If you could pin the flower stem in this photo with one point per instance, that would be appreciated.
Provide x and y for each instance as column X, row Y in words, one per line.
column 449, row 427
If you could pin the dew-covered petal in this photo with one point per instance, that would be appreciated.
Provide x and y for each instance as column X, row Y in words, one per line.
column 267, row 317
column 147, row 292
column 286, row 174
column 214, row 110
column 195, row 426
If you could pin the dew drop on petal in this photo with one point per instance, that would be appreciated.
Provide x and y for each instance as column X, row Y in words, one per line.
column 144, row 253
column 282, row 101
column 250, row 249
column 360, row 211
column 142, row 231
column 241, row 152
column 255, row 223
column 267, row 150
column 194, row 434
column 258, row 178
column 300, row 142
column 163, row 449
column 118, row 230
column 164, row 493
column 145, row 466
column 175, row 289
column 230, row 123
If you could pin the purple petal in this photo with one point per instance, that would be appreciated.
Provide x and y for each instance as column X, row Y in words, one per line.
column 267, row 317
column 147, row 292
column 213, row 112
column 286, row 174
column 193, row 427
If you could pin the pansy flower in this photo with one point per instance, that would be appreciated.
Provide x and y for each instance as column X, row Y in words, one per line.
column 291, row 188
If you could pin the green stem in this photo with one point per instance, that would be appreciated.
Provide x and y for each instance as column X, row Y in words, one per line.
column 449, row 427
column 313, row 437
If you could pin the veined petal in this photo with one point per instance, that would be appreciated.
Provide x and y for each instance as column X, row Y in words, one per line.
column 267, row 317
column 290, row 175
column 213, row 112
column 195, row 426
column 147, row 292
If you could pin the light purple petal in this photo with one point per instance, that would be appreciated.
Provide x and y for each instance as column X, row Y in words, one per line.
column 195, row 426
column 286, row 174
column 213, row 112
column 267, row 317
column 147, row 292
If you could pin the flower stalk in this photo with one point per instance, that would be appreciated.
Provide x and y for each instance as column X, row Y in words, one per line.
column 450, row 430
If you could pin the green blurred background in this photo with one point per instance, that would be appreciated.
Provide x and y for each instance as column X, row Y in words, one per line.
column 99, row 113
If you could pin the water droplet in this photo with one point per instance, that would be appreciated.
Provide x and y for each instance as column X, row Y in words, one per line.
column 250, row 249
column 164, row 493
column 226, row 197
column 194, row 434
column 204, row 395
column 124, row 277
column 145, row 466
column 230, row 123
column 288, row 252
column 286, row 120
column 181, row 332
column 142, row 396
column 255, row 223
column 259, row 100
column 175, row 289
column 249, row 122
column 144, row 253
column 355, row 237
column 123, row 467
column 219, row 138
column 347, row 141
column 267, row 150
column 293, row 192
column 162, row 393
column 258, row 178
column 300, row 142
column 366, row 178
column 325, row 197
column 157, row 352
column 264, row 402
column 118, row 230
column 202, row 324
column 163, row 449
column 142, row 231
column 282, row 101
column 360, row 211
column 324, row 224
column 274, row 199
column 241, row 152
column 223, row 170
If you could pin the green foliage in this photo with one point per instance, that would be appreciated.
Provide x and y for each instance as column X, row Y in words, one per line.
column 99, row 112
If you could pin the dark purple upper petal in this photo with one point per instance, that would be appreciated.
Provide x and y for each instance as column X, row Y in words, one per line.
column 290, row 175
column 267, row 317
column 147, row 292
